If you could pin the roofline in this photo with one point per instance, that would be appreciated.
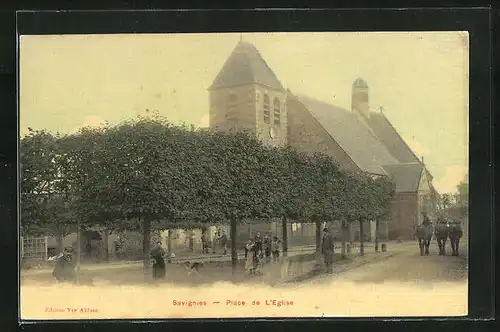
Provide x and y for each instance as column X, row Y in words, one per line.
column 316, row 120
column 420, row 178
column 347, row 153
column 401, row 138
column 261, row 57
column 245, row 84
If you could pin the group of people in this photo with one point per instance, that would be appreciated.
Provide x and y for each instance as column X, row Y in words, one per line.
column 259, row 251
column 220, row 241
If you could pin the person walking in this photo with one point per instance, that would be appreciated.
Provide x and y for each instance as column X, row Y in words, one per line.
column 327, row 247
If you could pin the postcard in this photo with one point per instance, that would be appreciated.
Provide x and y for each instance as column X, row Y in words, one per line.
column 222, row 175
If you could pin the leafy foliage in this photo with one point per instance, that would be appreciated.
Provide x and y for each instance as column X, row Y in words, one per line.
column 45, row 200
column 147, row 173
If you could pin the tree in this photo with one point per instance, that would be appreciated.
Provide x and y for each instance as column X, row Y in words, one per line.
column 383, row 196
column 134, row 175
column 238, row 179
column 326, row 182
column 297, row 189
column 46, row 203
column 463, row 196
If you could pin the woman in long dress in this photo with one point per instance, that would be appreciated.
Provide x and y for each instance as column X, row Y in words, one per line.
column 158, row 257
column 64, row 269
column 249, row 254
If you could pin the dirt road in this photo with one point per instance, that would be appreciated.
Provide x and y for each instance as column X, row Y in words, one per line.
column 407, row 267
column 405, row 284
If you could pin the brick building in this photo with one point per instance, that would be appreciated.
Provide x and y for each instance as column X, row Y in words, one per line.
column 247, row 95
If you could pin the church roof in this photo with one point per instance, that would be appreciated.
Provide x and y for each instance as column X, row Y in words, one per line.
column 406, row 176
column 245, row 66
column 391, row 138
column 353, row 136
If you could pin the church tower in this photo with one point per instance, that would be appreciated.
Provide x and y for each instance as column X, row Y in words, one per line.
column 247, row 96
column 360, row 101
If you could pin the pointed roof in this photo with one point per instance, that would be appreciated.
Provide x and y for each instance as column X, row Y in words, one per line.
column 245, row 66
column 353, row 136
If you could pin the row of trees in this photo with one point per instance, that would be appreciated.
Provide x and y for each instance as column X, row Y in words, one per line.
column 458, row 200
column 148, row 171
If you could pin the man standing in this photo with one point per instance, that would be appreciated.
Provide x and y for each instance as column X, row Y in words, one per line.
column 327, row 247
column 275, row 249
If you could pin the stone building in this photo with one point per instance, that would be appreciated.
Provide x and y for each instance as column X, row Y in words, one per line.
column 247, row 95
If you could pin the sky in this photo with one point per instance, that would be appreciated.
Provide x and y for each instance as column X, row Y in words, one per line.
column 419, row 78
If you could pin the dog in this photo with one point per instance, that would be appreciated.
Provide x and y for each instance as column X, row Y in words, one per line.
column 193, row 267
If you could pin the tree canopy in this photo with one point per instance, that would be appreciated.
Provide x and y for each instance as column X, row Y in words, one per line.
column 150, row 171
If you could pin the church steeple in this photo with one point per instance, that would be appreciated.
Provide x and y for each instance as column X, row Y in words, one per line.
column 245, row 66
column 246, row 95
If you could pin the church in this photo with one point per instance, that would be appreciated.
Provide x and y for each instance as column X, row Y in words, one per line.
column 247, row 95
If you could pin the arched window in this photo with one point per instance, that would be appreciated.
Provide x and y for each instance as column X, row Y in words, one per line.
column 231, row 107
column 266, row 109
column 277, row 111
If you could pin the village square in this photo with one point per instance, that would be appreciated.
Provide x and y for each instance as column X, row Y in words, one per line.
column 279, row 189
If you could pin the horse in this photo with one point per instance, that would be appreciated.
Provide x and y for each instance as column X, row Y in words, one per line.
column 455, row 234
column 442, row 232
column 423, row 233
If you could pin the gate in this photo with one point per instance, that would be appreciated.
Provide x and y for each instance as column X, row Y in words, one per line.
column 34, row 248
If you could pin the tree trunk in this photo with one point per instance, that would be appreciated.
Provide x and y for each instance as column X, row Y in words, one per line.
column 191, row 240
column 204, row 236
column 377, row 229
column 78, row 250
column 318, row 242
column 361, row 238
column 234, row 251
column 59, row 240
column 169, row 242
column 284, row 225
column 146, row 246
column 105, row 245
column 344, row 239
column 349, row 232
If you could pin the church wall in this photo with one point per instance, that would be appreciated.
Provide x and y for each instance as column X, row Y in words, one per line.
column 244, row 114
column 404, row 216
column 306, row 134
column 262, row 128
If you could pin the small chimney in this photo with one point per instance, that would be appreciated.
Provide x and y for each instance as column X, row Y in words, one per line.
column 422, row 159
